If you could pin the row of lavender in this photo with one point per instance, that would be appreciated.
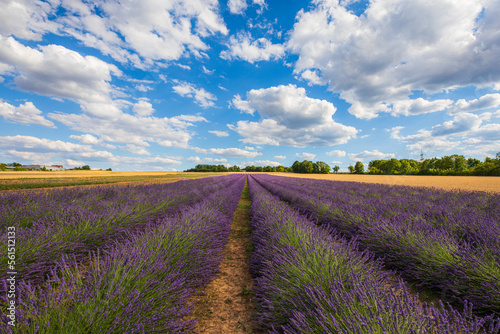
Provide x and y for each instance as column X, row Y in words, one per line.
column 81, row 219
column 445, row 241
column 140, row 285
column 307, row 280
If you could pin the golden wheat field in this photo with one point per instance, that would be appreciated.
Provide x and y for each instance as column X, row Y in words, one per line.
column 478, row 183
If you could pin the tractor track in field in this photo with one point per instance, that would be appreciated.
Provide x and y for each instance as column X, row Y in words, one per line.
column 226, row 304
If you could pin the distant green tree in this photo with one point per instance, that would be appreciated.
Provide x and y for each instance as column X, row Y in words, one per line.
column 315, row 168
column 109, row 169
column 375, row 164
column 280, row 169
column 208, row 168
column 408, row 166
column 323, row 168
column 375, row 170
column 392, row 166
column 359, row 168
column 490, row 167
column 86, row 167
column 351, row 169
column 3, row 167
column 336, row 169
column 296, row 167
column 460, row 163
column 19, row 169
column 306, row 166
column 446, row 163
column 472, row 162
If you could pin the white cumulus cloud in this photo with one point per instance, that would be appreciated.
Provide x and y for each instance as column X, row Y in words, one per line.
column 289, row 117
column 484, row 102
column 220, row 133
column 200, row 95
column 25, row 113
column 376, row 60
column 306, row 156
column 137, row 32
column 336, row 153
column 244, row 47
column 237, row 6
column 370, row 155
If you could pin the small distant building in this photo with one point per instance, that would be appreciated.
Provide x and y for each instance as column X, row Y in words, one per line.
column 39, row 167
column 55, row 167
column 31, row 167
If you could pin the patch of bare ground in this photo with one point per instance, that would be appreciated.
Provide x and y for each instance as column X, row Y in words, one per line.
column 226, row 306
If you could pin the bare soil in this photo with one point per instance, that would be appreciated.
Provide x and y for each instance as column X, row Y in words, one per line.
column 475, row 183
column 226, row 306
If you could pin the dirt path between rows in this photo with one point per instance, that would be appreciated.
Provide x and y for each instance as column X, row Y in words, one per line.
column 227, row 305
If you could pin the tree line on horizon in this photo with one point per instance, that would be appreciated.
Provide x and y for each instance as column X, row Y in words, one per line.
column 448, row 165
column 305, row 166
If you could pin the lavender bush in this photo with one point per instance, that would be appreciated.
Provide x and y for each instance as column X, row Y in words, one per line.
column 307, row 280
column 445, row 241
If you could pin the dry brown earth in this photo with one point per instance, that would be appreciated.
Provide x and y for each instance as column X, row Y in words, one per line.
column 226, row 305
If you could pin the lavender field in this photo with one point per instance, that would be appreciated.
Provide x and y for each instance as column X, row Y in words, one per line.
column 446, row 242
column 326, row 257
column 115, row 259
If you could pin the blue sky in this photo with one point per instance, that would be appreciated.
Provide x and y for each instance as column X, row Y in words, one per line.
column 163, row 85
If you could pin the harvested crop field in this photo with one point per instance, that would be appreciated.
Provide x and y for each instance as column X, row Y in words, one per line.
column 475, row 183
column 34, row 179
column 79, row 173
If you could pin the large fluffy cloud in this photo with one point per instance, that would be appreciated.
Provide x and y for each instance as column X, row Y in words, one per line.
column 58, row 72
column 289, row 117
column 26, row 19
column 377, row 59
column 139, row 32
column 55, row 71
